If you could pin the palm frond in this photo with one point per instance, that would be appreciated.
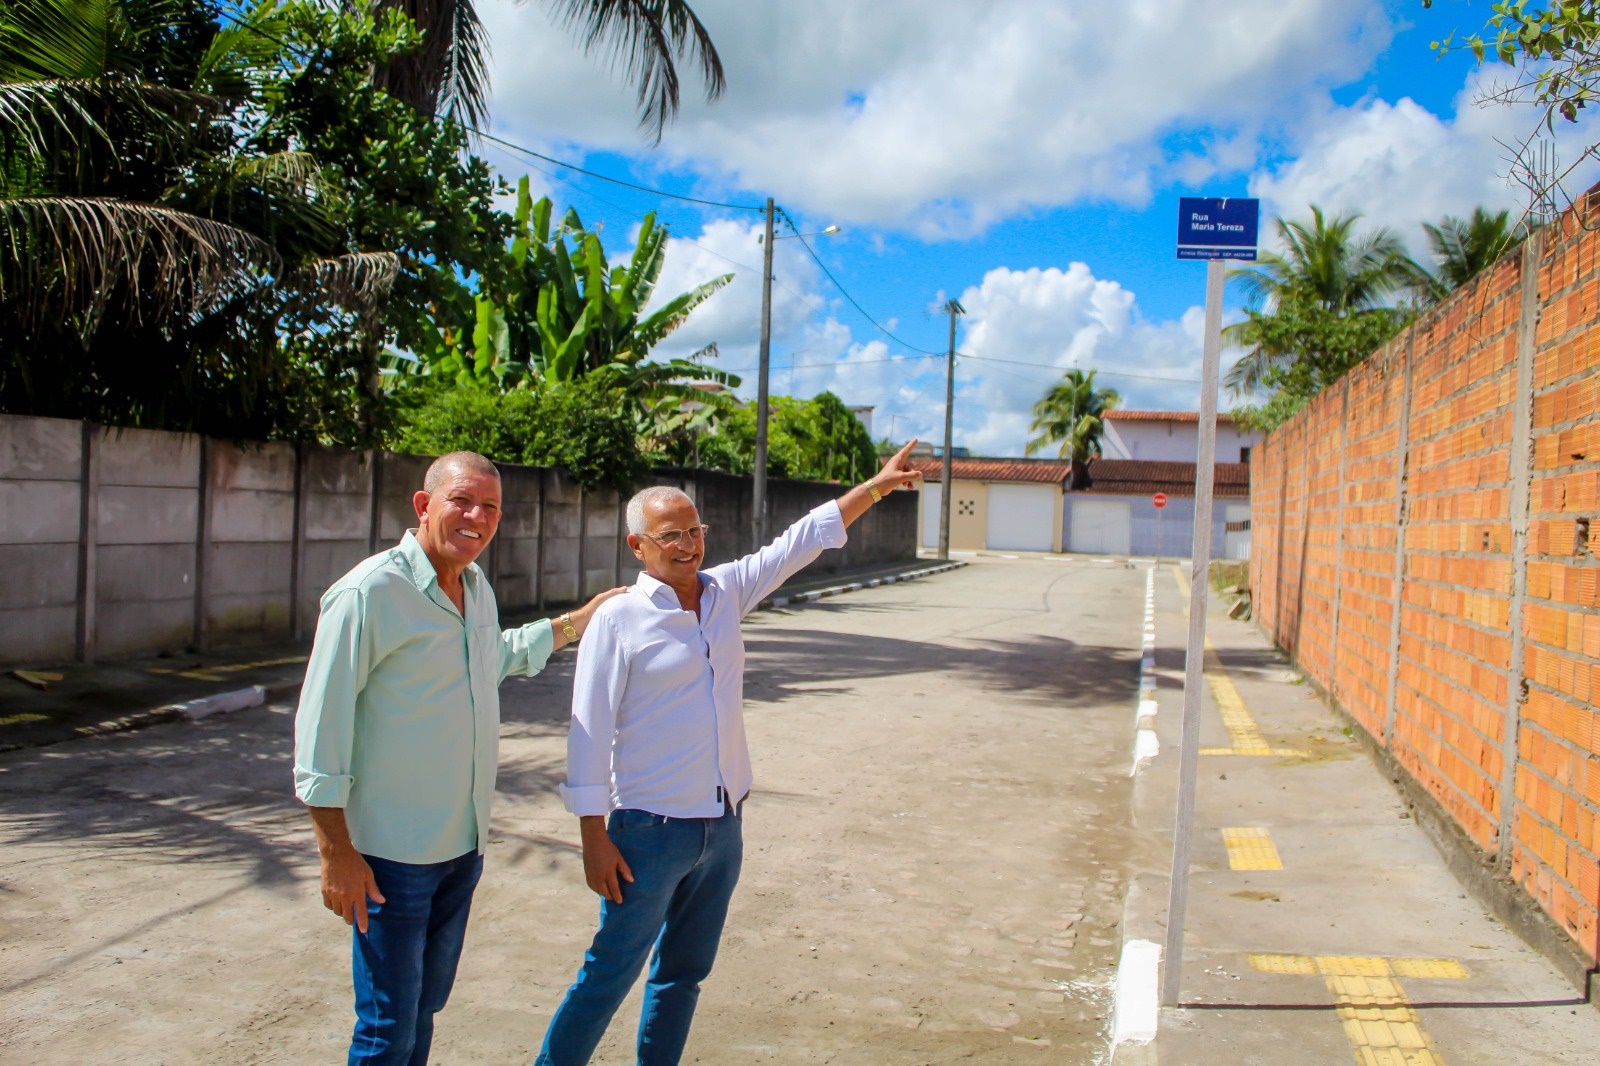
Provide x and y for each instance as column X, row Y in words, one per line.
column 644, row 38
column 91, row 116
column 358, row 280
column 74, row 255
column 464, row 90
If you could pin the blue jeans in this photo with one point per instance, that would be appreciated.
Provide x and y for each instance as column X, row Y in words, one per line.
column 405, row 963
column 684, row 871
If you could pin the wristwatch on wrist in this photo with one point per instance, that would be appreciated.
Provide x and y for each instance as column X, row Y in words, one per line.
column 566, row 625
column 872, row 490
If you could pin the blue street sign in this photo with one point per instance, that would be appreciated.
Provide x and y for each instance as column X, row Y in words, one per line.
column 1212, row 228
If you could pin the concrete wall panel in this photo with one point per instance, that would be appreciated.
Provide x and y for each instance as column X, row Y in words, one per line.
column 40, row 575
column 252, row 515
column 143, row 515
column 240, row 569
column 147, row 457
column 128, row 629
column 135, row 573
column 337, row 517
column 40, row 449
column 39, row 636
column 39, row 512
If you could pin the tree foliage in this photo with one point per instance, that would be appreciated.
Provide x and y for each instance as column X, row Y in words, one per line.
column 1462, row 249
column 1554, row 46
column 1321, row 345
column 581, row 428
column 645, row 38
column 212, row 220
column 1071, row 414
column 1328, row 271
column 819, row 439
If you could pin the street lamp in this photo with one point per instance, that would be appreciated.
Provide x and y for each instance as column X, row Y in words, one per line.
column 758, row 500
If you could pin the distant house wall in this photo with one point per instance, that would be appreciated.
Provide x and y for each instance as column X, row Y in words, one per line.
column 1174, row 441
column 127, row 542
column 1167, row 532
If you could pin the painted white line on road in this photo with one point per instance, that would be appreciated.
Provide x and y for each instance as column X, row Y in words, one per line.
column 1146, row 746
column 1136, row 1012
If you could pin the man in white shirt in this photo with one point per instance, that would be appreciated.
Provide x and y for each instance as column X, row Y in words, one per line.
column 657, row 742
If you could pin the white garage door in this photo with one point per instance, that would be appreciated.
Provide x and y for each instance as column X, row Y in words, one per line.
column 1101, row 527
column 1022, row 517
column 930, row 514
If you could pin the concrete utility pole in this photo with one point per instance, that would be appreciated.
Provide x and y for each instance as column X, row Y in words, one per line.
column 953, row 309
column 758, row 496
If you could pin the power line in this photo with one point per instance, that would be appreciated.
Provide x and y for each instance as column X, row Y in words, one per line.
column 1096, row 369
column 846, row 293
column 602, row 177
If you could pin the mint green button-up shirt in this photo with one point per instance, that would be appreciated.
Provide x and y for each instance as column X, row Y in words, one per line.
column 399, row 719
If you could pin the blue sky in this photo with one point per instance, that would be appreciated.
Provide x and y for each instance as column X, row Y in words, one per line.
column 1023, row 156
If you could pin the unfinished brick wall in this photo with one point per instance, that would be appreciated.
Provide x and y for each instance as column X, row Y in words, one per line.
column 1424, row 548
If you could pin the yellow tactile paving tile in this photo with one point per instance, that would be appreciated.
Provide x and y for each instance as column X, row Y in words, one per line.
column 221, row 671
column 1378, row 1019
column 1445, row 968
column 1291, row 964
column 1251, row 849
column 1244, row 737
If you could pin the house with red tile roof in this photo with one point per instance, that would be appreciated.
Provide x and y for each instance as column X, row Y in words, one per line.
column 1108, row 507
column 999, row 504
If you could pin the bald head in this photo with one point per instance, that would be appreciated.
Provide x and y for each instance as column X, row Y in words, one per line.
column 440, row 470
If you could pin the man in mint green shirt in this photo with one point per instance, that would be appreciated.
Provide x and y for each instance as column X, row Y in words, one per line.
column 396, row 745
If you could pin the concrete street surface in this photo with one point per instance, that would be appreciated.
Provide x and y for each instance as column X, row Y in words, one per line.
column 934, row 864
column 942, row 850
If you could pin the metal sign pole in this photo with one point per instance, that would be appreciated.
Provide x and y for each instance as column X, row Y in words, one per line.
column 1194, row 661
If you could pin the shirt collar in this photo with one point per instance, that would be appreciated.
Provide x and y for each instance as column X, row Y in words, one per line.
column 664, row 593
column 422, row 572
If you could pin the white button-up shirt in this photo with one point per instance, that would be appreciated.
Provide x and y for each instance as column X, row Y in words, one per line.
column 658, row 703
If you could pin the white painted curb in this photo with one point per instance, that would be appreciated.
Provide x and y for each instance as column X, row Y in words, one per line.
column 1137, row 1010
column 222, row 702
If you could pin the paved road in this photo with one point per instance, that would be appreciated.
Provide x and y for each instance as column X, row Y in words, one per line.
column 935, row 869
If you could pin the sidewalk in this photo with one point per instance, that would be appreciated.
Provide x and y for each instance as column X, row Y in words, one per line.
column 1323, row 925
column 79, row 699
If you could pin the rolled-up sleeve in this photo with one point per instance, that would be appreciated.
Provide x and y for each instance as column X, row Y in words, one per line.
column 526, row 649
column 602, row 678
column 324, row 725
column 758, row 575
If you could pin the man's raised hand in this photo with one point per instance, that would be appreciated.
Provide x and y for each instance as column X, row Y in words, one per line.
column 898, row 472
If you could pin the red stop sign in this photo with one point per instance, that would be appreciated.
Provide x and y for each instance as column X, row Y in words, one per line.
column 1159, row 499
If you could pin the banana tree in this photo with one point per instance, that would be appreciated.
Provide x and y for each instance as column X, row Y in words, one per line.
column 555, row 310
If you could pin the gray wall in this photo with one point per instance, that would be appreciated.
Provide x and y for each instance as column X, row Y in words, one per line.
column 1168, row 533
column 130, row 542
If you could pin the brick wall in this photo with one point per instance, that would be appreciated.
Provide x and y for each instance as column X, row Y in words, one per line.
column 1425, row 538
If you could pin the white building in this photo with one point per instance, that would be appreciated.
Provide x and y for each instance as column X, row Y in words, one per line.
column 1172, row 437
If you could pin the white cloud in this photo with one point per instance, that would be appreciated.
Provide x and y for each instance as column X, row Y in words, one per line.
column 1056, row 319
column 943, row 115
column 1399, row 164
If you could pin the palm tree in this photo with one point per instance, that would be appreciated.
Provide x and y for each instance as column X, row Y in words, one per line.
column 1072, row 415
column 643, row 37
column 1462, row 248
column 1326, row 267
column 123, row 201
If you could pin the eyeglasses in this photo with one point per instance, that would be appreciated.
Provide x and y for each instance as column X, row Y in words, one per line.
column 668, row 537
